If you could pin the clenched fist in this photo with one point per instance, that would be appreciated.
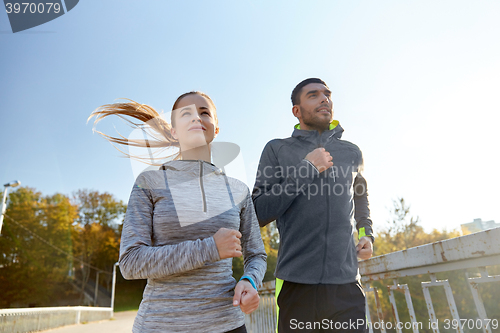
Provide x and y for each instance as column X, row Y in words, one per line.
column 228, row 243
column 321, row 159
column 364, row 248
column 246, row 297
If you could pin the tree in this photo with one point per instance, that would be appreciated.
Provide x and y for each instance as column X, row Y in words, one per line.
column 270, row 237
column 96, row 233
column 402, row 232
column 35, row 246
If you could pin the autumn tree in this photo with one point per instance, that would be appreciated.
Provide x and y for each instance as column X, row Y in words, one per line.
column 401, row 232
column 96, row 233
column 270, row 237
column 35, row 245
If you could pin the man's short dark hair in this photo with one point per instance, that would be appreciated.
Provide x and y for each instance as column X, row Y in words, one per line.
column 298, row 88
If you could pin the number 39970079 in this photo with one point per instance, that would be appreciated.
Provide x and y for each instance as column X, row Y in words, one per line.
column 26, row 7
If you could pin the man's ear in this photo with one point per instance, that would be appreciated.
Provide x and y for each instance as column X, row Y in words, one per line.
column 174, row 133
column 296, row 111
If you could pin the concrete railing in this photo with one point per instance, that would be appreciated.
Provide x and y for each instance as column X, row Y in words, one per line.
column 37, row 319
column 478, row 250
column 264, row 318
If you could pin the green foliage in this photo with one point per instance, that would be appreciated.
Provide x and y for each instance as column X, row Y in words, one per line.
column 40, row 236
column 96, row 237
column 128, row 293
column 31, row 270
column 238, row 268
column 100, row 208
column 270, row 237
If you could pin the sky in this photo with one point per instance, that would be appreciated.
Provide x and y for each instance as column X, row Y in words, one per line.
column 415, row 85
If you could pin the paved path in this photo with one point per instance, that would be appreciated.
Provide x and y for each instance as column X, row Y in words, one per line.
column 121, row 323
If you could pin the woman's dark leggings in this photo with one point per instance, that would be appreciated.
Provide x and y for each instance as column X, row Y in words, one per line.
column 241, row 329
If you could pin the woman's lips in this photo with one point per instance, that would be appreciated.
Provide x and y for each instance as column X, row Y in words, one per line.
column 197, row 128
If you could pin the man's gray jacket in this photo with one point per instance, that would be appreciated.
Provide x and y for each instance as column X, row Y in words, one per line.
column 315, row 212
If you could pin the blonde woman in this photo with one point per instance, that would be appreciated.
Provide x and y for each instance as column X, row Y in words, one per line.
column 184, row 224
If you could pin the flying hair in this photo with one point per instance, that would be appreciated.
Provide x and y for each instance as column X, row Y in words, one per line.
column 154, row 126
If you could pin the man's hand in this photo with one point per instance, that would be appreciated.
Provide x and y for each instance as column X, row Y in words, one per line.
column 228, row 243
column 320, row 158
column 246, row 297
column 364, row 248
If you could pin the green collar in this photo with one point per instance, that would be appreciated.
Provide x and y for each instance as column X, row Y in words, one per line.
column 333, row 124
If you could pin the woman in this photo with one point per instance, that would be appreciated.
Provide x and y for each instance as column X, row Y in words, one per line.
column 184, row 224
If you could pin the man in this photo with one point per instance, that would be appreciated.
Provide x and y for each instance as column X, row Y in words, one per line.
column 311, row 184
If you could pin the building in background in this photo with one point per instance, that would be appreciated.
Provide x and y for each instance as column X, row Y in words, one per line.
column 478, row 225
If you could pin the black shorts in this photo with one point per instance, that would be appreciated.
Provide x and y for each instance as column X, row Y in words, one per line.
column 321, row 308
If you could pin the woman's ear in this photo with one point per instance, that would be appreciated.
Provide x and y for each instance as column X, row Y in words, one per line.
column 174, row 133
column 217, row 130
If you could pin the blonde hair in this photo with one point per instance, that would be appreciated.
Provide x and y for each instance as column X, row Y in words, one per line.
column 153, row 124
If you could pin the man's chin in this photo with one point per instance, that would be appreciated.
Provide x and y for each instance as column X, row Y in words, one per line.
column 319, row 126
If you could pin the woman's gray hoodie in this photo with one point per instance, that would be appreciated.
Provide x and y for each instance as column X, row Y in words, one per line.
column 167, row 238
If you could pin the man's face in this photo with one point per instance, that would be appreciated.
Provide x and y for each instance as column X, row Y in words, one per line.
column 315, row 109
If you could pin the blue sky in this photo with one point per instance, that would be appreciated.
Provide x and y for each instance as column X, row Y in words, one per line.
column 415, row 86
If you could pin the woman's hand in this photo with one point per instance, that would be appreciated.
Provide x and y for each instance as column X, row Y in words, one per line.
column 246, row 297
column 228, row 243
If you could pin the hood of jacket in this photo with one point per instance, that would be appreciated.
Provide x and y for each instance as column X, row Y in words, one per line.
column 334, row 131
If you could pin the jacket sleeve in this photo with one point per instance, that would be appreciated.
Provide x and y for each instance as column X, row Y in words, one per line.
column 254, row 254
column 361, row 204
column 277, row 186
column 140, row 259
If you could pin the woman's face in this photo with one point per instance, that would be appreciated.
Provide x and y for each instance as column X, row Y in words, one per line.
column 195, row 124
